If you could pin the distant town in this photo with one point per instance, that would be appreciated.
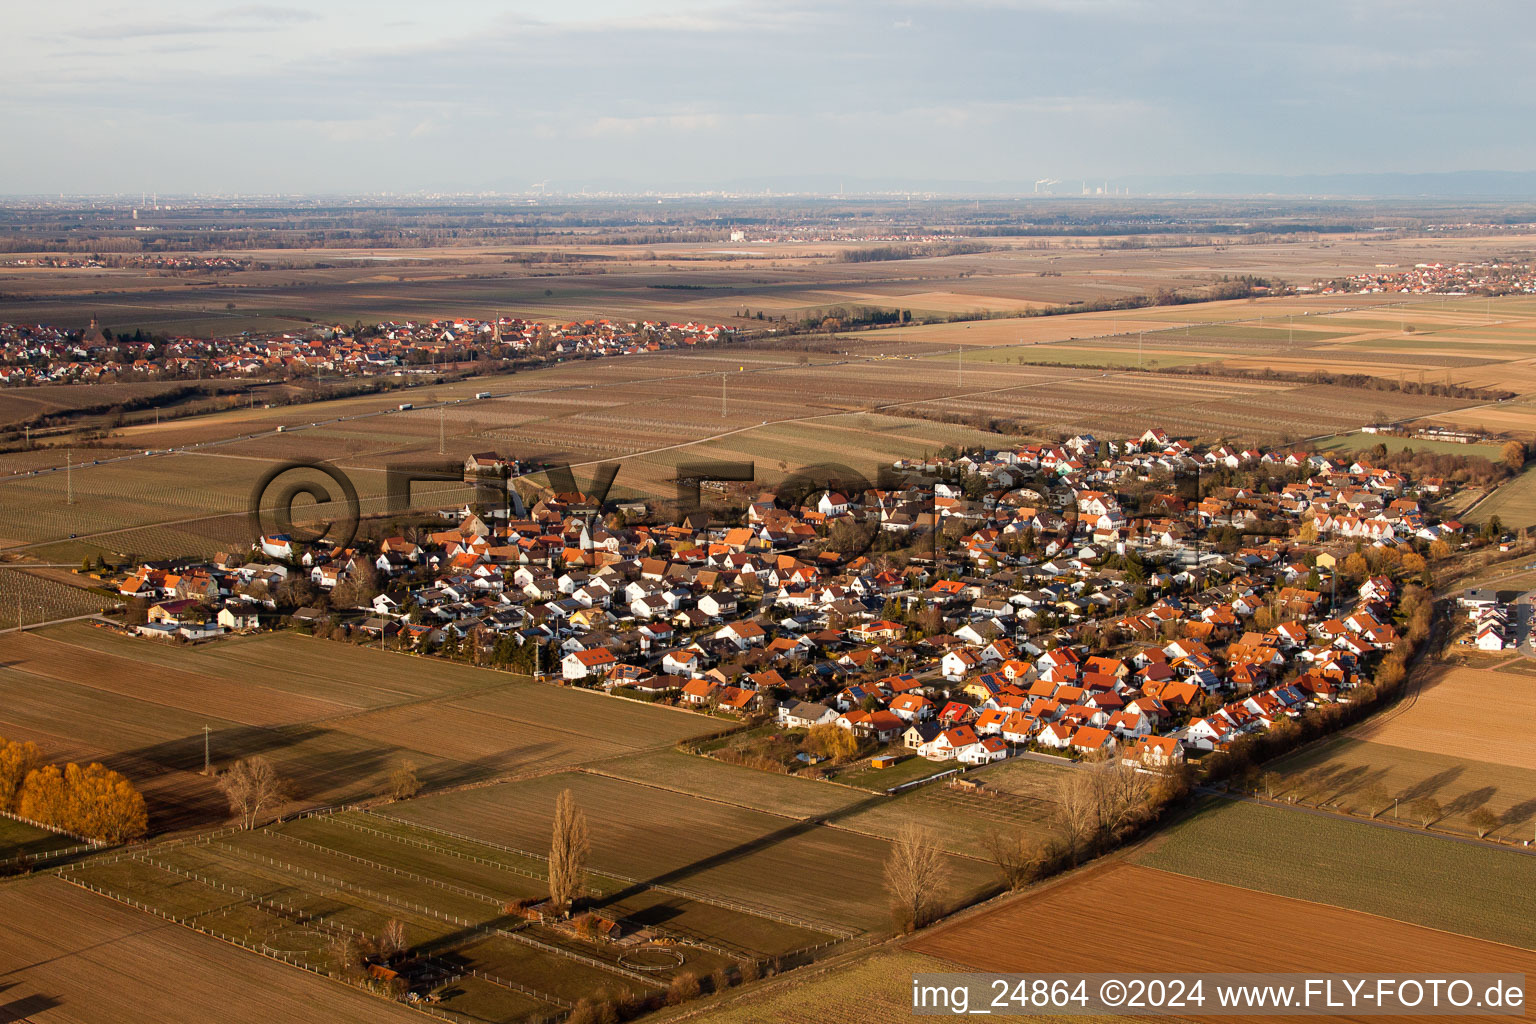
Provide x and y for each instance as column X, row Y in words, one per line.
column 33, row 354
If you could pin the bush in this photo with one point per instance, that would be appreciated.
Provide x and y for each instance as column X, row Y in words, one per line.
column 683, row 988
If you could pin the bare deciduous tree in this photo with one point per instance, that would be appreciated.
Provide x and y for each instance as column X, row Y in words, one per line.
column 914, row 874
column 251, row 786
column 1426, row 810
column 1006, row 848
column 403, row 782
column 1484, row 821
column 392, row 940
column 567, row 852
column 1374, row 797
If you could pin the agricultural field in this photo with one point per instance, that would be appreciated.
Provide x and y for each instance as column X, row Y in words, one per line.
column 1435, row 881
column 1425, row 747
column 1513, row 502
column 698, row 846
column 67, row 949
column 1256, row 929
column 335, row 730
column 1362, row 442
column 292, row 887
column 1014, row 796
column 32, row 596
column 1343, row 767
column 1435, row 720
column 709, row 779
column 290, row 289
column 862, row 399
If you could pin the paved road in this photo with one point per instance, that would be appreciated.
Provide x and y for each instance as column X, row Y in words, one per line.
column 52, row 622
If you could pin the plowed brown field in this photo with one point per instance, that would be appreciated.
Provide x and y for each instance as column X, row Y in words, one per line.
column 1123, row 917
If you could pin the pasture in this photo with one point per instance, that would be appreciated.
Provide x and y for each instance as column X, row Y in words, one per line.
column 698, row 846
column 73, row 956
column 336, row 719
column 1434, row 881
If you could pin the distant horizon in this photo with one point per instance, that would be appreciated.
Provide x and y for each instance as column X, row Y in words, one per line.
column 1474, row 185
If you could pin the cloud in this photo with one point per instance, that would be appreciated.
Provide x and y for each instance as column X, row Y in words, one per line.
column 263, row 12
column 252, row 17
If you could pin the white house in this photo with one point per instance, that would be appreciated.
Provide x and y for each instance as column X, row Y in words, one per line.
column 957, row 663
column 801, row 714
column 581, row 664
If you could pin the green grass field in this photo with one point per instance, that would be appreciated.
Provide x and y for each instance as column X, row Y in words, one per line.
column 1514, row 502
column 18, row 839
column 1435, row 881
column 1359, row 442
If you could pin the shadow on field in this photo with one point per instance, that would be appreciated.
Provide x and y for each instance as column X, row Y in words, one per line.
column 1432, row 785
column 26, row 1008
column 741, row 850
column 1520, row 813
column 320, row 766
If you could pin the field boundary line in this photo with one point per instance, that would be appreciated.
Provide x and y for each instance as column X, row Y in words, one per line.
column 483, row 929
column 683, row 935
column 695, row 796
column 829, row 929
column 322, row 923
column 425, row 845
column 267, row 952
column 377, row 866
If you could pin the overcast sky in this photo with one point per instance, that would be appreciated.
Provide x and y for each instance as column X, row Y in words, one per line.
column 345, row 96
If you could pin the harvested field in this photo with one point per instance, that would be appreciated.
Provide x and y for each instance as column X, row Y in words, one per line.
column 695, row 845
column 1344, row 767
column 1437, row 721
column 863, row 399
column 1424, row 747
column 1255, row 931
column 1434, row 881
column 66, row 947
column 335, row 730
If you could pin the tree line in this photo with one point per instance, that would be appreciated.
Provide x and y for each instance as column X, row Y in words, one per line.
column 91, row 801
